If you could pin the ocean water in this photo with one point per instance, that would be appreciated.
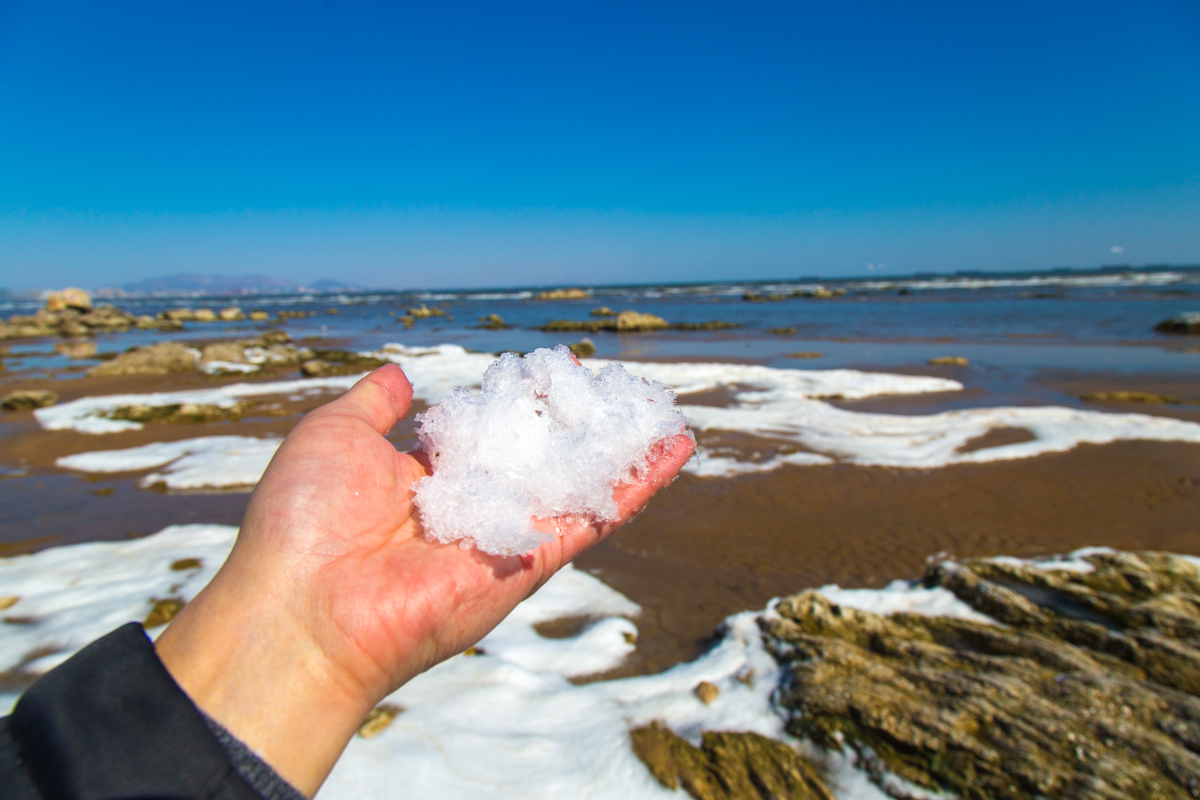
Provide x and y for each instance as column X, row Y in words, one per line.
column 1101, row 321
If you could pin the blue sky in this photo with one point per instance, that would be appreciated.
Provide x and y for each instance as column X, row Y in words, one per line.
column 449, row 144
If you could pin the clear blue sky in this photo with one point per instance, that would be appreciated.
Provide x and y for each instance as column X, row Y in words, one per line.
column 459, row 143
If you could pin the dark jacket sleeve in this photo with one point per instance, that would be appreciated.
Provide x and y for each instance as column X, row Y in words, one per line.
column 111, row 723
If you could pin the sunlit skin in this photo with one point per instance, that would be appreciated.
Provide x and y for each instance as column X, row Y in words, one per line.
column 333, row 598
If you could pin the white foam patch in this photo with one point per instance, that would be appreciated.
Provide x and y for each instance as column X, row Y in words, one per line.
column 544, row 438
column 86, row 415
column 1071, row 562
column 504, row 724
column 705, row 464
column 226, row 367
column 927, row 441
column 70, row 596
column 484, row 728
column 907, row 597
column 208, row 462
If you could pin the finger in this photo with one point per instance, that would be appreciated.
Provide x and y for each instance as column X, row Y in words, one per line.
column 574, row 535
column 664, row 461
column 381, row 399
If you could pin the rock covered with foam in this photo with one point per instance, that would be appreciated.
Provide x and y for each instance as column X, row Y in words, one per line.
column 544, row 438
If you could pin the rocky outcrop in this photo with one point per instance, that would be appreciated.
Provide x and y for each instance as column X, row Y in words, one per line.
column 70, row 297
column 1188, row 322
column 327, row 363
column 27, row 399
column 424, row 312
column 632, row 322
column 948, row 361
column 564, row 294
column 1086, row 688
column 163, row 358
column 493, row 322
column 272, row 350
column 819, row 293
column 584, row 348
column 728, row 766
column 179, row 413
column 70, row 321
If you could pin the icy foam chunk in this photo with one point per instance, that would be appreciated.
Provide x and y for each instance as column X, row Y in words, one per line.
column 544, row 438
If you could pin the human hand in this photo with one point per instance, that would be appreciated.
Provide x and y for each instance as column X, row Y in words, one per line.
column 333, row 598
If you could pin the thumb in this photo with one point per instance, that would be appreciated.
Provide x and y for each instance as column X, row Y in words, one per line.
column 381, row 399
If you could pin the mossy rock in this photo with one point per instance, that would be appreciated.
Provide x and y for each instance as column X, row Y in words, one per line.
column 727, row 766
column 1087, row 688
column 329, row 363
column 179, row 413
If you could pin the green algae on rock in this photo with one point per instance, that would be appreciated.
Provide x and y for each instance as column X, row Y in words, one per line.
column 1085, row 689
column 27, row 399
column 328, row 363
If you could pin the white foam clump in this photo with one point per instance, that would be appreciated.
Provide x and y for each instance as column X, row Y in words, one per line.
column 70, row 596
column 507, row 723
column 544, row 438
column 206, row 462
column 88, row 414
column 905, row 597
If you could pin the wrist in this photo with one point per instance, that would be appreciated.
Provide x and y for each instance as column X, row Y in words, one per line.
column 248, row 663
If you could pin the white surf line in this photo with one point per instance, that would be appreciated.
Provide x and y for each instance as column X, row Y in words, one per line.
column 504, row 724
column 207, row 462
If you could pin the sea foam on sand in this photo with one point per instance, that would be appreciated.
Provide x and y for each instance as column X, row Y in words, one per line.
column 779, row 404
column 503, row 724
column 545, row 437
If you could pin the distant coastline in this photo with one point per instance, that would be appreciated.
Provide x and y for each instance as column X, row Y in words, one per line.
column 196, row 286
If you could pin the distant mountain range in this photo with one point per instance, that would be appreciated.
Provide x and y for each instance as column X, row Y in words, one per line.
column 196, row 285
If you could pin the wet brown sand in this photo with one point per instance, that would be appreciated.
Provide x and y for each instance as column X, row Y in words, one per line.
column 707, row 548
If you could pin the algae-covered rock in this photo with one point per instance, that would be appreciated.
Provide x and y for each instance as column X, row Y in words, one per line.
column 1085, row 688
column 162, row 612
column 70, row 297
column 564, row 294
column 493, row 322
column 178, row 413
column 727, row 766
column 27, row 399
column 1188, row 322
column 378, row 719
column 631, row 321
column 163, row 358
column 585, row 348
column 328, row 363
